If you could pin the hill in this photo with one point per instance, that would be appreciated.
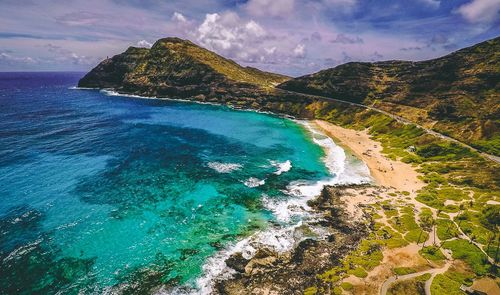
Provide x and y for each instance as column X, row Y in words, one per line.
column 178, row 68
column 457, row 94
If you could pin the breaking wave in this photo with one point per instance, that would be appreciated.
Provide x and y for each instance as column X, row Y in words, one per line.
column 224, row 167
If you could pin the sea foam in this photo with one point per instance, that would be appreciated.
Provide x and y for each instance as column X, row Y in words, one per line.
column 224, row 167
column 282, row 167
column 343, row 170
column 254, row 182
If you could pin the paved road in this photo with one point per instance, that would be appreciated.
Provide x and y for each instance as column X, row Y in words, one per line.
column 403, row 120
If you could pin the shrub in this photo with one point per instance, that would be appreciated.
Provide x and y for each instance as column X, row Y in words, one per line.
column 401, row 271
column 346, row 286
column 432, row 253
column 471, row 254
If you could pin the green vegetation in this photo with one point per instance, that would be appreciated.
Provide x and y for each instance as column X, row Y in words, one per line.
column 311, row 291
column 472, row 224
column 346, row 286
column 458, row 181
column 432, row 253
column 469, row 253
column 389, row 237
column 449, row 283
column 453, row 94
column 359, row 272
column 413, row 286
column 400, row 271
column 222, row 65
column 436, row 197
column 446, row 229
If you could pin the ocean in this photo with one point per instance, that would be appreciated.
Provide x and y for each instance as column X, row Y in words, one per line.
column 108, row 193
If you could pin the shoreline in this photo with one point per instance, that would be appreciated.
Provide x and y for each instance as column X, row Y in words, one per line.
column 345, row 214
column 219, row 268
column 350, row 201
column 343, row 232
column 385, row 172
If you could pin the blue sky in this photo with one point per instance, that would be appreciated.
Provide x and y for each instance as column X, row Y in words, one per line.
column 293, row 37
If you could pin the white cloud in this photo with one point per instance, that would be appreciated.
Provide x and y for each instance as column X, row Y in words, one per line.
column 270, row 51
column 10, row 59
column 300, row 51
column 255, row 29
column 178, row 17
column 273, row 8
column 480, row 11
column 229, row 35
column 144, row 44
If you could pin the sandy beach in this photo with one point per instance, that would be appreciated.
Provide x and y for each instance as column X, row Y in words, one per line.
column 390, row 177
column 385, row 172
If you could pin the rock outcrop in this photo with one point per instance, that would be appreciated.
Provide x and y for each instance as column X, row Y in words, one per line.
column 268, row 272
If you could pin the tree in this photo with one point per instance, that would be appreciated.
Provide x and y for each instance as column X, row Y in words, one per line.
column 426, row 224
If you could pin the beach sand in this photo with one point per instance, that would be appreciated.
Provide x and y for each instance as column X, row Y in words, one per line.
column 386, row 172
column 391, row 178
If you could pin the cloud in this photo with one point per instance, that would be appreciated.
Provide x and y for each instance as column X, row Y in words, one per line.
column 300, row 51
column 375, row 56
column 144, row 44
column 344, row 39
column 178, row 17
column 273, row 8
column 57, row 49
column 61, row 54
column 439, row 39
column 81, row 18
column 432, row 3
column 8, row 59
column 229, row 35
column 316, row 37
column 480, row 11
column 411, row 48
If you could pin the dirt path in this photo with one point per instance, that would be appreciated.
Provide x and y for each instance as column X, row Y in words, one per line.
column 435, row 271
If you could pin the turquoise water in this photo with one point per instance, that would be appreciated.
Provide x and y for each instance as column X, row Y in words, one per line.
column 102, row 192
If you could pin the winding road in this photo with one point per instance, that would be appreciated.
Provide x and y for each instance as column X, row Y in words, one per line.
column 402, row 120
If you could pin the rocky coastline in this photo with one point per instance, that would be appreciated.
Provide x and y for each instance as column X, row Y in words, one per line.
column 269, row 272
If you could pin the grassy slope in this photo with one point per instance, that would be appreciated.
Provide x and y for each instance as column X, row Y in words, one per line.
column 451, row 172
column 457, row 94
column 227, row 67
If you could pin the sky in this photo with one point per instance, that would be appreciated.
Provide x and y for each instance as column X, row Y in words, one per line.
column 293, row 37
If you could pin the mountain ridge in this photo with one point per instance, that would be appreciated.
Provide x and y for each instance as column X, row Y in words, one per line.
column 456, row 94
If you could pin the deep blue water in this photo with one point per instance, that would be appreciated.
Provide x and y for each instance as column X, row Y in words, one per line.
column 102, row 192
